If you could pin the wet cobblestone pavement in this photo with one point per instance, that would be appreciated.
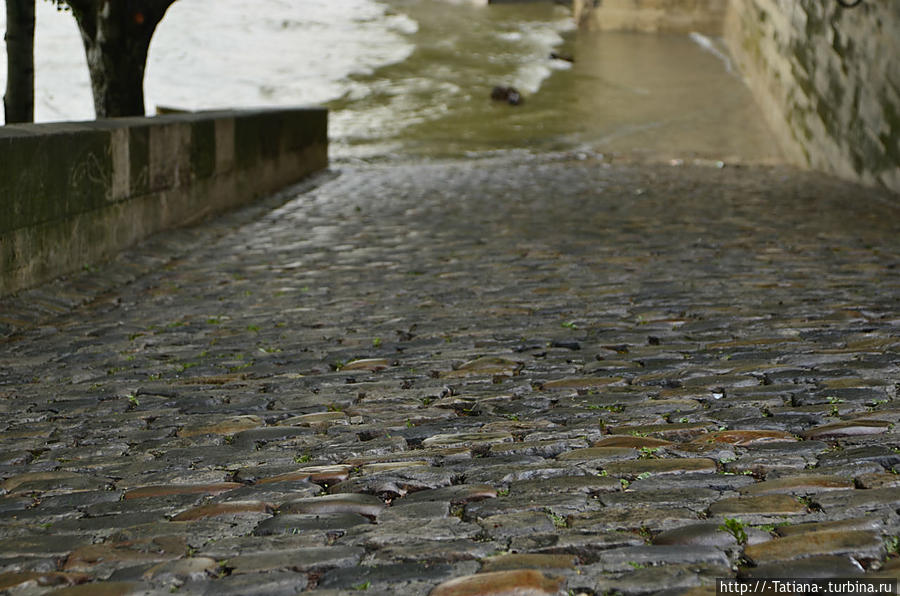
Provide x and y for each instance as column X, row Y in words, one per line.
column 483, row 378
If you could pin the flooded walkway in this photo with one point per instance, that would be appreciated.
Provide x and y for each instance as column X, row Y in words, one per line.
column 535, row 349
column 412, row 79
column 552, row 376
column 665, row 97
column 631, row 96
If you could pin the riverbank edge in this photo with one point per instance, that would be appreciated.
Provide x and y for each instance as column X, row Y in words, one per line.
column 823, row 74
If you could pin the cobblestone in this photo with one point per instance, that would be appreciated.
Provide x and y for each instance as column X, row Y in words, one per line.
column 487, row 377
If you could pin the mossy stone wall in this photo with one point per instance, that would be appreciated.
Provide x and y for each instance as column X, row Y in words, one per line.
column 828, row 79
column 75, row 193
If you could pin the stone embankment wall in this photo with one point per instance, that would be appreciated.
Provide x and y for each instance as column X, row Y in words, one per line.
column 827, row 77
column 75, row 193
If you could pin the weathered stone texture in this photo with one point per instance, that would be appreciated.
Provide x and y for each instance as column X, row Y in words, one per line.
column 221, row 423
column 828, row 79
column 75, row 193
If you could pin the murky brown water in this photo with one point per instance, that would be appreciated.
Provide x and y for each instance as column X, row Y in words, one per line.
column 424, row 74
column 665, row 95
column 656, row 96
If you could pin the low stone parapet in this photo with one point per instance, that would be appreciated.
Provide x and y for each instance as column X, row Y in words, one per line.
column 75, row 193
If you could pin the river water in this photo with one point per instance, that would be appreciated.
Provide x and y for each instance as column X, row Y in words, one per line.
column 410, row 79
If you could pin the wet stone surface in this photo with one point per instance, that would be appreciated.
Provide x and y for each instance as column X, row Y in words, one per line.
column 466, row 378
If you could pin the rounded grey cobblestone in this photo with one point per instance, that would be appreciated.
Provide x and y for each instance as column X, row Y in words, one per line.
column 547, row 374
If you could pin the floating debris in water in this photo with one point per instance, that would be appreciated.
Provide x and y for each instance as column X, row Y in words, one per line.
column 561, row 56
column 508, row 94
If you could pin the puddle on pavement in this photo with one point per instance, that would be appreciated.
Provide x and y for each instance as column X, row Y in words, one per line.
column 647, row 96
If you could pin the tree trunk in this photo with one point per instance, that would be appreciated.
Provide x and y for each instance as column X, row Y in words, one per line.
column 116, row 36
column 18, row 102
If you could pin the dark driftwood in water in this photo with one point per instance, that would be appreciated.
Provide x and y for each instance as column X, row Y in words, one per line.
column 558, row 56
column 508, row 94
